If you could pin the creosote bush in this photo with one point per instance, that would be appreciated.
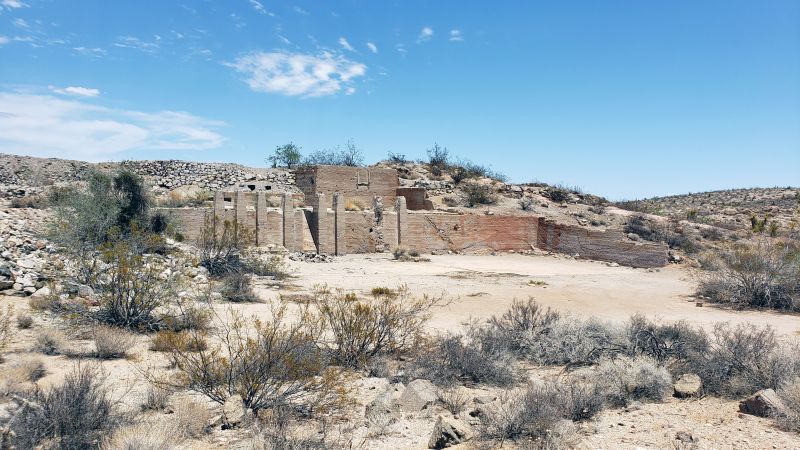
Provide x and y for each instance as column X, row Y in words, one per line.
column 789, row 418
column 763, row 274
column 365, row 329
column 76, row 414
column 475, row 194
column 268, row 363
column 237, row 287
column 625, row 379
column 453, row 359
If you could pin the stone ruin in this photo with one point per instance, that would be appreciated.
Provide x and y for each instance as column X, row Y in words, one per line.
column 343, row 210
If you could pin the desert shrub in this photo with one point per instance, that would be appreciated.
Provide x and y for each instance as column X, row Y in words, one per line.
column 454, row 400
column 639, row 226
column 363, row 330
column 183, row 341
column 669, row 234
column 112, row 343
column 526, row 203
column 536, row 416
column 76, row 414
column 455, row 359
column 49, row 342
column 221, row 244
column 349, row 156
column 157, row 398
column 268, row 363
column 515, row 330
column 676, row 343
column 24, row 321
column 5, row 328
column 438, row 159
column 763, row 274
column 397, row 158
column 558, row 194
column 187, row 314
column 625, row 379
column 287, row 155
column 450, row 201
column 192, row 418
column 273, row 266
column 474, row 194
column 12, row 376
column 28, row 201
column 133, row 289
column 383, row 291
column 789, row 418
column 159, row 435
column 236, row 287
column 745, row 358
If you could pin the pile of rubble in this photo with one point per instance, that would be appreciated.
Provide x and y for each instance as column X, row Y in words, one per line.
column 213, row 176
column 26, row 260
column 310, row 257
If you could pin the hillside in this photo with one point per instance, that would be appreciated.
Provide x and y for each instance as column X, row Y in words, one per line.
column 731, row 209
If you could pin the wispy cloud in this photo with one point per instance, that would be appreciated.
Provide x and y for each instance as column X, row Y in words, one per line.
column 4, row 40
column 372, row 47
column 401, row 49
column 20, row 23
column 13, row 4
column 284, row 39
column 346, row 45
column 45, row 125
column 259, row 7
column 136, row 44
column 425, row 35
column 297, row 74
column 301, row 11
column 77, row 91
column 94, row 52
column 456, row 36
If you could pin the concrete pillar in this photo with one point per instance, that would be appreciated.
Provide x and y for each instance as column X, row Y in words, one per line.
column 402, row 219
column 287, row 207
column 298, row 238
column 324, row 227
column 219, row 205
column 340, row 246
column 261, row 219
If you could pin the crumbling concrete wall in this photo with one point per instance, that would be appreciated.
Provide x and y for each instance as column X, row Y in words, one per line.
column 440, row 232
column 416, row 198
column 354, row 183
column 612, row 246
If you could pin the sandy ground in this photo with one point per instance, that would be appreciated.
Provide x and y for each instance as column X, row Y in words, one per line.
column 481, row 286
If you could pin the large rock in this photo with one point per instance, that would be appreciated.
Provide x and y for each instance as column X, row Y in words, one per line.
column 764, row 403
column 418, row 395
column 447, row 432
column 233, row 411
column 687, row 385
column 379, row 407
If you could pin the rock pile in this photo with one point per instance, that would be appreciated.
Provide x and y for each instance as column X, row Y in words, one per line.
column 213, row 176
column 26, row 261
column 311, row 257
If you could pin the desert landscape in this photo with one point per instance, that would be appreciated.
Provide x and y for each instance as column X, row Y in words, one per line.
column 144, row 310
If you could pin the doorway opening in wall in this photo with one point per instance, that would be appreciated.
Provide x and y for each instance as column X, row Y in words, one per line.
column 252, row 187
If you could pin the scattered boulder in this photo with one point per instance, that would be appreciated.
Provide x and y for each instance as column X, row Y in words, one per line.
column 764, row 403
column 447, row 432
column 379, row 406
column 418, row 395
column 687, row 385
column 233, row 411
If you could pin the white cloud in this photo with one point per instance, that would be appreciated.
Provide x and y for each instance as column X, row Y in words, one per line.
column 259, row 7
column 3, row 40
column 77, row 90
column 301, row 11
column 44, row 125
column 372, row 47
column 136, row 44
column 425, row 35
column 93, row 52
column 297, row 74
column 13, row 4
column 284, row 39
column 346, row 45
column 401, row 48
column 20, row 23
column 456, row 36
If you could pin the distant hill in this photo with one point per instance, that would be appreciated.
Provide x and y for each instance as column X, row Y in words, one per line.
column 732, row 208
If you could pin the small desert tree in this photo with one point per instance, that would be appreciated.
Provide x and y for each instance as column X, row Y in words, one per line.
column 287, row 155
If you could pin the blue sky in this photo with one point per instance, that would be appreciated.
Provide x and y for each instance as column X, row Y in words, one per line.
column 623, row 98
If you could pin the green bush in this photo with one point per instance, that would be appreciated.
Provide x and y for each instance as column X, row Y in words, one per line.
column 474, row 194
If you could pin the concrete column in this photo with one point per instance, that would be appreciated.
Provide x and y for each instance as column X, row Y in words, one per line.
column 402, row 219
column 298, row 239
column 324, row 227
column 261, row 219
column 219, row 205
column 287, row 207
column 340, row 245
column 239, row 211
